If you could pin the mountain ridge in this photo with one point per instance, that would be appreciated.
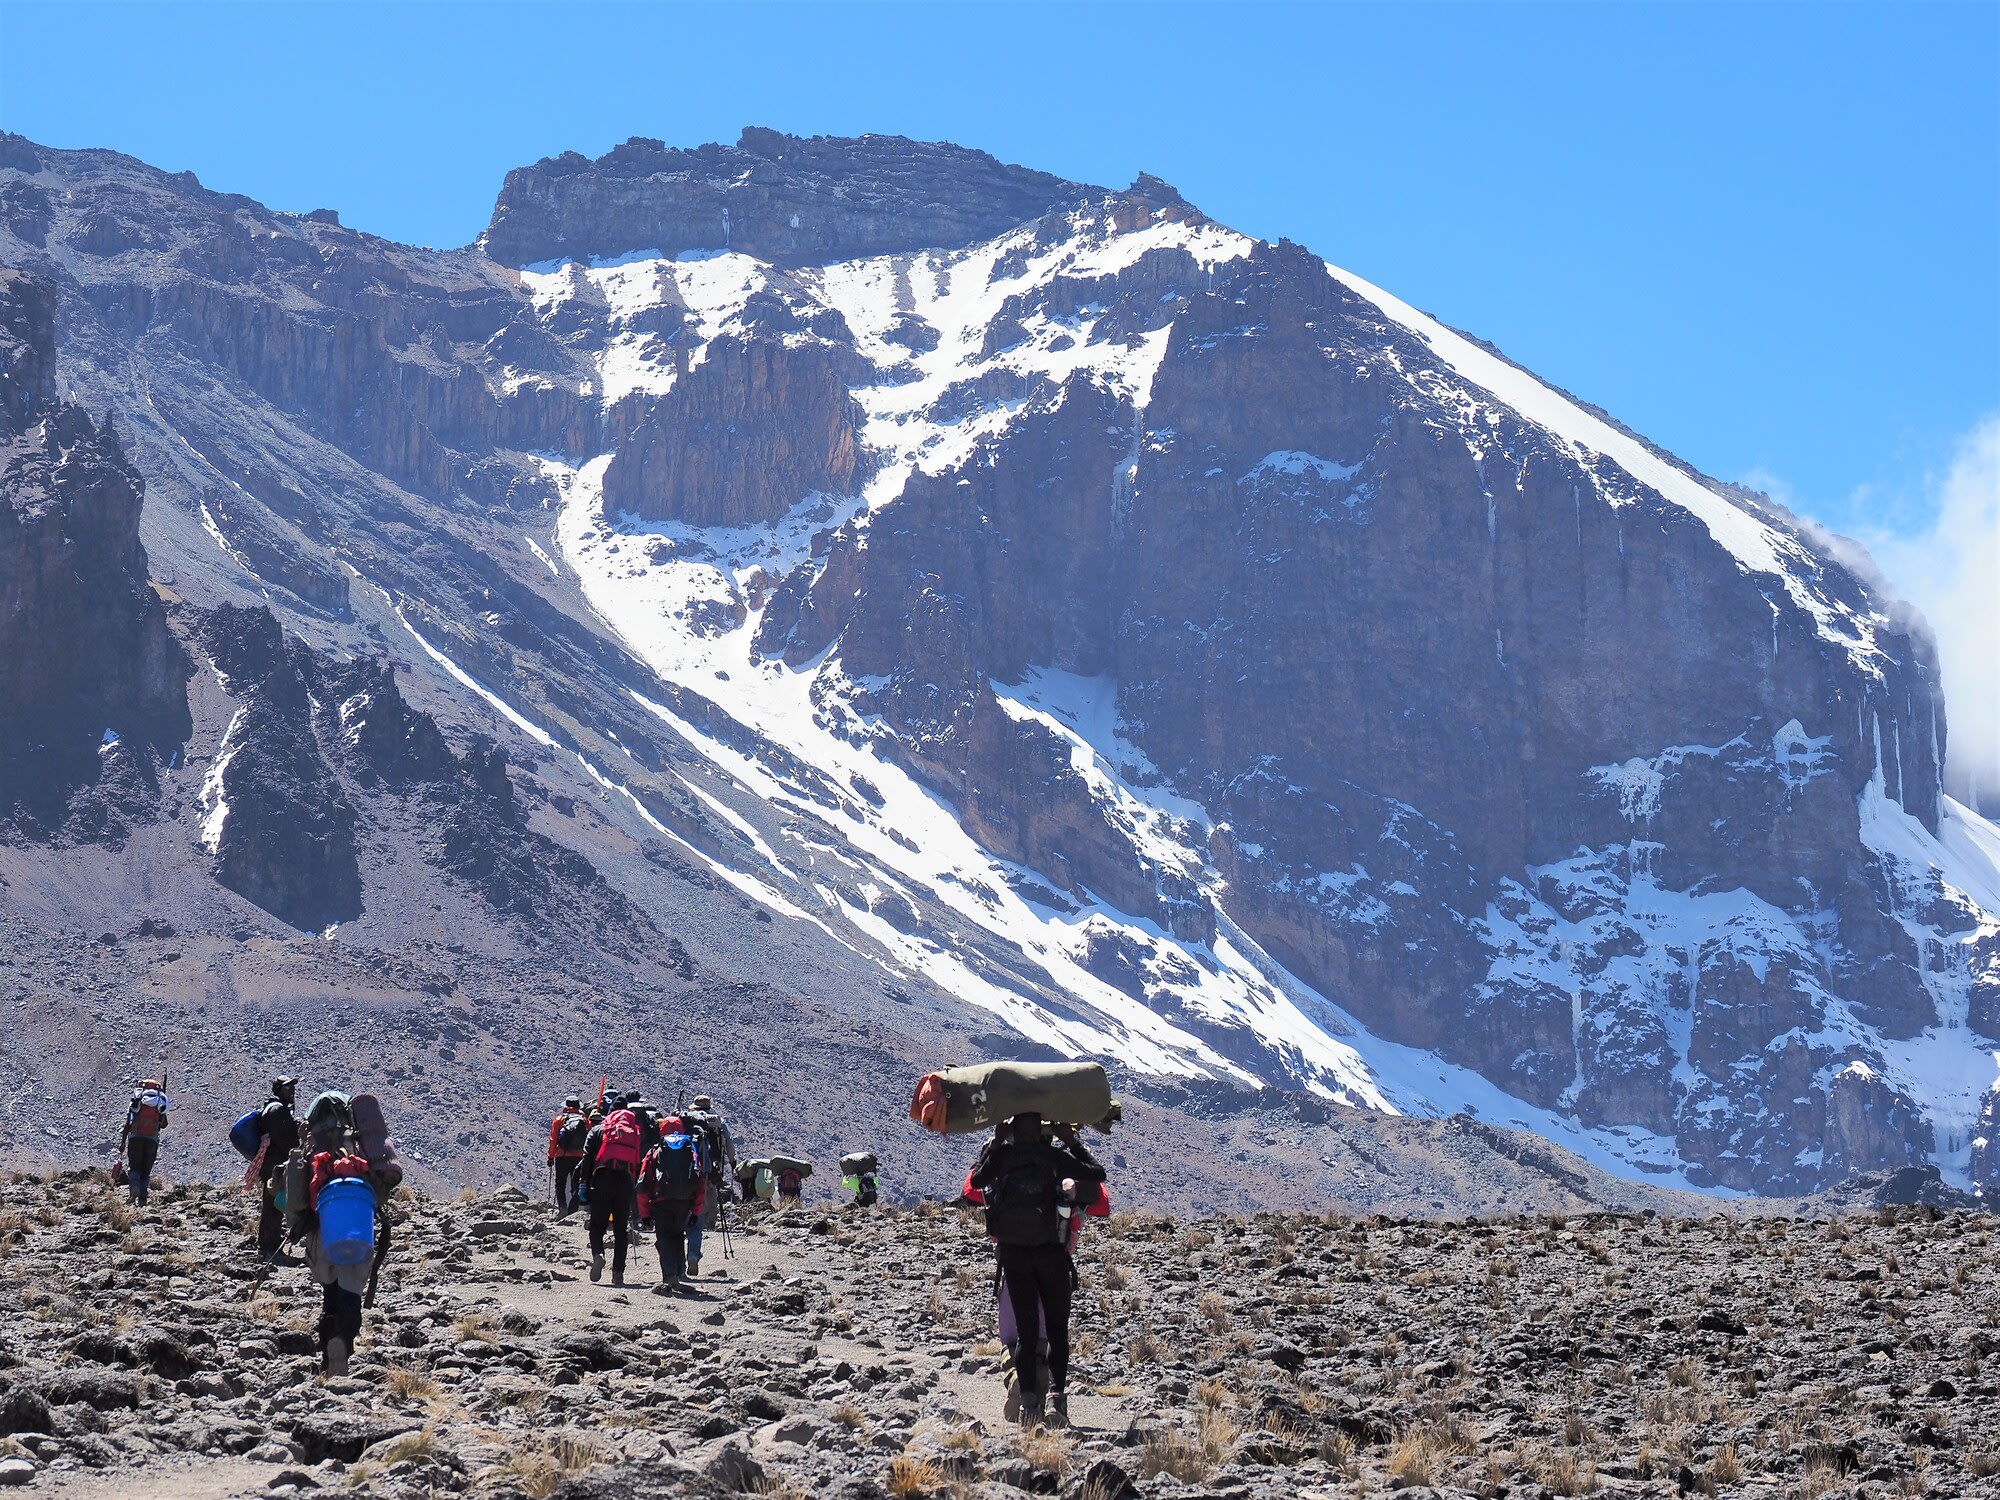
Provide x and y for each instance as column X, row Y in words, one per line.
column 1159, row 640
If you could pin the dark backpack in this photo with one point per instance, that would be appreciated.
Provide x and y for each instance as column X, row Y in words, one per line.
column 707, row 1130
column 675, row 1170
column 571, row 1131
column 330, row 1121
column 1023, row 1207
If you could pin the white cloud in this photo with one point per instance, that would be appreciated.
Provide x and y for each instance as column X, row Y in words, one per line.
column 1950, row 571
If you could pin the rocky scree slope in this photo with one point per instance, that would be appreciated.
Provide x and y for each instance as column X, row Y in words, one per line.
column 851, row 1354
column 1134, row 638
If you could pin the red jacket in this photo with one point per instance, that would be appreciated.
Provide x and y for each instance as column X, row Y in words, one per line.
column 556, row 1152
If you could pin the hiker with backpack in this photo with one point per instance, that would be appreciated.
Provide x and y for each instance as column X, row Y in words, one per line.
column 567, row 1133
column 338, row 1208
column 649, row 1120
column 1031, row 1179
column 612, row 1157
column 139, row 1140
column 710, row 1127
column 337, row 1221
column 674, row 1181
column 267, row 1136
column 1008, row 1326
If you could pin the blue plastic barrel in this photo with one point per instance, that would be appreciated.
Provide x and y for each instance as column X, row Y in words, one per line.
column 347, row 1222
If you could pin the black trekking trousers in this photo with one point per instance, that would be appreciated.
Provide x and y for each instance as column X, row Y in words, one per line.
column 1037, row 1278
column 339, row 1315
column 569, row 1173
column 670, row 1228
column 270, row 1222
column 611, row 1205
column 141, row 1152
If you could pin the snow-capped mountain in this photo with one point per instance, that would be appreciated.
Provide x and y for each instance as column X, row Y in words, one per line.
column 1163, row 644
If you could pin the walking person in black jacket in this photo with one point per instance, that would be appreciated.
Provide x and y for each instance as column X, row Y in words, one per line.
column 280, row 1129
column 1032, row 1176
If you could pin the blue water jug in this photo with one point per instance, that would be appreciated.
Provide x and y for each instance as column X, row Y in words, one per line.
column 347, row 1222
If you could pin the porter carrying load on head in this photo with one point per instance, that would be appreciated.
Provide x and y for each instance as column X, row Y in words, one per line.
column 790, row 1173
column 858, row 1171
column 958, row 1100
column 756, row 1180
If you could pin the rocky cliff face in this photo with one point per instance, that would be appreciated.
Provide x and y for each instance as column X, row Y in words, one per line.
column 91, row 682
column 1164, row 643
column 777, row 197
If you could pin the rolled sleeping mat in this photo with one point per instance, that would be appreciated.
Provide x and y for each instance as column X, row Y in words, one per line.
column 293, row 1188
column 371, row 1128
column 958, row 1100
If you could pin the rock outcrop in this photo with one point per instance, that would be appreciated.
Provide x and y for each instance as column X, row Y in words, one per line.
column 274, row 816
column 779, row 197
column 92, row 683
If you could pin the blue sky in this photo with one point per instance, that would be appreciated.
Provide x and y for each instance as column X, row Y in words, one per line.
column 1765, row 236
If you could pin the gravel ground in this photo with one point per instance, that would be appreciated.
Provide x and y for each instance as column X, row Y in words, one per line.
column 851, row 1353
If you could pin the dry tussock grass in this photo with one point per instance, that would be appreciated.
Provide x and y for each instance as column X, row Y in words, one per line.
column 1047, row 1448
column 541, row 1470
column 912, row 1478
column 412, row 1384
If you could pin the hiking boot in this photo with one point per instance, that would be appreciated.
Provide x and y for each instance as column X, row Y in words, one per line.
column 694, row 1265
column 1031, row 1409
column 336, row 1358
column 1059, row 1409
column 618, row 1278
column 597, row 1265
column 1011, row 1408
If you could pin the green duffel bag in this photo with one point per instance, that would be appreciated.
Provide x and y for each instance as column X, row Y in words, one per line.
column 958, row 1100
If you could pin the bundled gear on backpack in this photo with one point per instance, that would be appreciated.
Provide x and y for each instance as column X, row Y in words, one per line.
column 247, row 1134
column 330, row 1121
column 147, row 1113
column 371, row 1135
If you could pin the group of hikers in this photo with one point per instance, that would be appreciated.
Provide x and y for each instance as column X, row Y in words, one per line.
column 625, row 1160
column 324, row 1182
